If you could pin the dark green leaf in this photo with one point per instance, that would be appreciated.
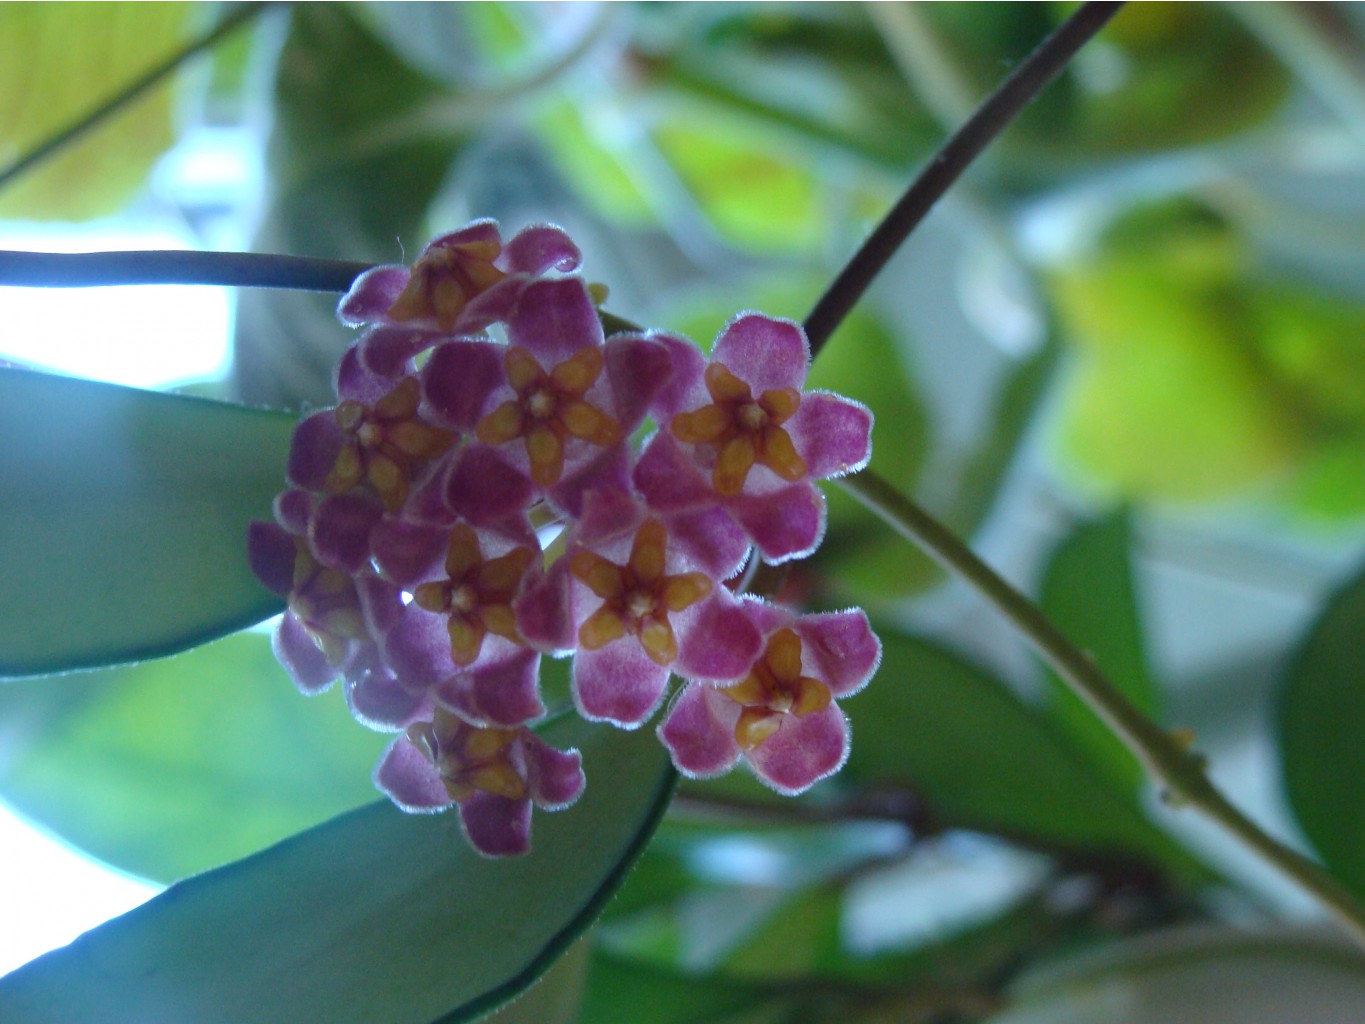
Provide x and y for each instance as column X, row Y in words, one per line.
column 982, row 760
column 175, row 766
column 123, row 520
column 375, row 916
column 1088, row 593
column 625, row 992
column 1322, row 734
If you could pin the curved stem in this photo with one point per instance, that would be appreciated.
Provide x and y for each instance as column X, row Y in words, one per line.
column 947, row 165
column 1179, row 770
column 127, row 95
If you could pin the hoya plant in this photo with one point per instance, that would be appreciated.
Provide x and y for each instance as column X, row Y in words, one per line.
column 719, row 513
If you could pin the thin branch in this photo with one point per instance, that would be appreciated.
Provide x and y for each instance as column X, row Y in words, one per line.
column 947, row 165
column 1179, row 770
column 130, row 93
column 246, row 269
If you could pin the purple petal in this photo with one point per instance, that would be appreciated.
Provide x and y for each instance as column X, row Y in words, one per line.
column 685, row 388
column 301, row 657
column 554, row 319
column 408, row 552
column 833, row 434
column 555, row 776
column 293, row 508
column 355, row 383
column 418, row 649
column 372, row 293
column 270, row 552
column 378, row 701
column 841, row 647
column 380, row 602
column 667, row 476
column 618, row 683
column 409, row 779
column 457, row 380
column 637, row 369
column 764, row 352
column 767, row 618
column 485, row 229
column 608, row 514
column 545, row 612
column 607, row 471
column 340, row 530
column 495, row 825
column 803, row 751
column 484, row 489
column 700, row 741
column 536, row 249
column 313, row 452
column 503, row 689
column 386, row 350
column 719, row 641
column 708, row 539
column 783, row 525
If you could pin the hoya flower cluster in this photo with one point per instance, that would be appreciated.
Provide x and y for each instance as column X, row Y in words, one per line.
column 406, row 542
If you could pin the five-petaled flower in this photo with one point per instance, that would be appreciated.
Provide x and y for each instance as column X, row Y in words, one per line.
column 404, row 545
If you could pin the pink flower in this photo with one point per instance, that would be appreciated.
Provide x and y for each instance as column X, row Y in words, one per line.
column 781, row 717
column 459, row 284
column 739, row 432
column 494, row 776
column 556, row 403
column 638, row 597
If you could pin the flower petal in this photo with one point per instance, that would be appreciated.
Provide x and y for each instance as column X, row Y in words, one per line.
column 833, row 434
column 301, row 657
column 409, row 779
column 685, row 389
column 667, row 476
column 408, row 552
column 783, row 525
column 620, row 683
column 698, row 737
column 495, row 825
column 372, row 293
column 766, row 353
column 803, row 751
column 841, row 648
column 719, row 641
column 484, row 489
column 378, row 701
column 417, row 648
column 270, row 552
column 503, row 686
column 554, row 319
column 387, row 350
column 339, row 532
column 637, row 369
column 555, row 776
column 458, row 380
column 313, row 452
column 539, row 248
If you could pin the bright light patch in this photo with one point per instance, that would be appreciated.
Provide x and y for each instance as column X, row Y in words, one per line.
column 147, row 336
column 56, row 892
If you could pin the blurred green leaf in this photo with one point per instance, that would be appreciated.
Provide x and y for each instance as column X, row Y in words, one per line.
column 1322, row 722
column 377, row 915
column 172, row 767
column 622, row 991
column 981, row 760
column 1210, row 975
column 61, row 62
column 1167, row 396
column 357, row 153
column 1088, row 593
column 123, row 520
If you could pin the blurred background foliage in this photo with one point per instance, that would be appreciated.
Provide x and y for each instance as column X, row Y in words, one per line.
column 1126, row 356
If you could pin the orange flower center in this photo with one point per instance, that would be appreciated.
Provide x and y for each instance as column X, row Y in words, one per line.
column 549, row 409
column 445, row 280
column 775, row 687
column 637, row 598
column 743, row 430
column 470, row 759
column 385, row 443
column 477, row 594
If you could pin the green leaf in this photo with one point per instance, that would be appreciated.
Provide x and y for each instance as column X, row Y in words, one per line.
column 123, row 520
column 172, row 767
column 1211, row 975
column 60, row 63
column 982, row 760
column 376, row 915
column 624, row 992
column 1322, row 722
column 1088, row 593
column 345, row 183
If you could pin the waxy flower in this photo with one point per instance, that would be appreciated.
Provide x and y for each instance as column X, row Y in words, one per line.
column 781, row 717
column 739, row 432
column 458, row 285
column 494, row 776
column 637, row 597
column 557, row 402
